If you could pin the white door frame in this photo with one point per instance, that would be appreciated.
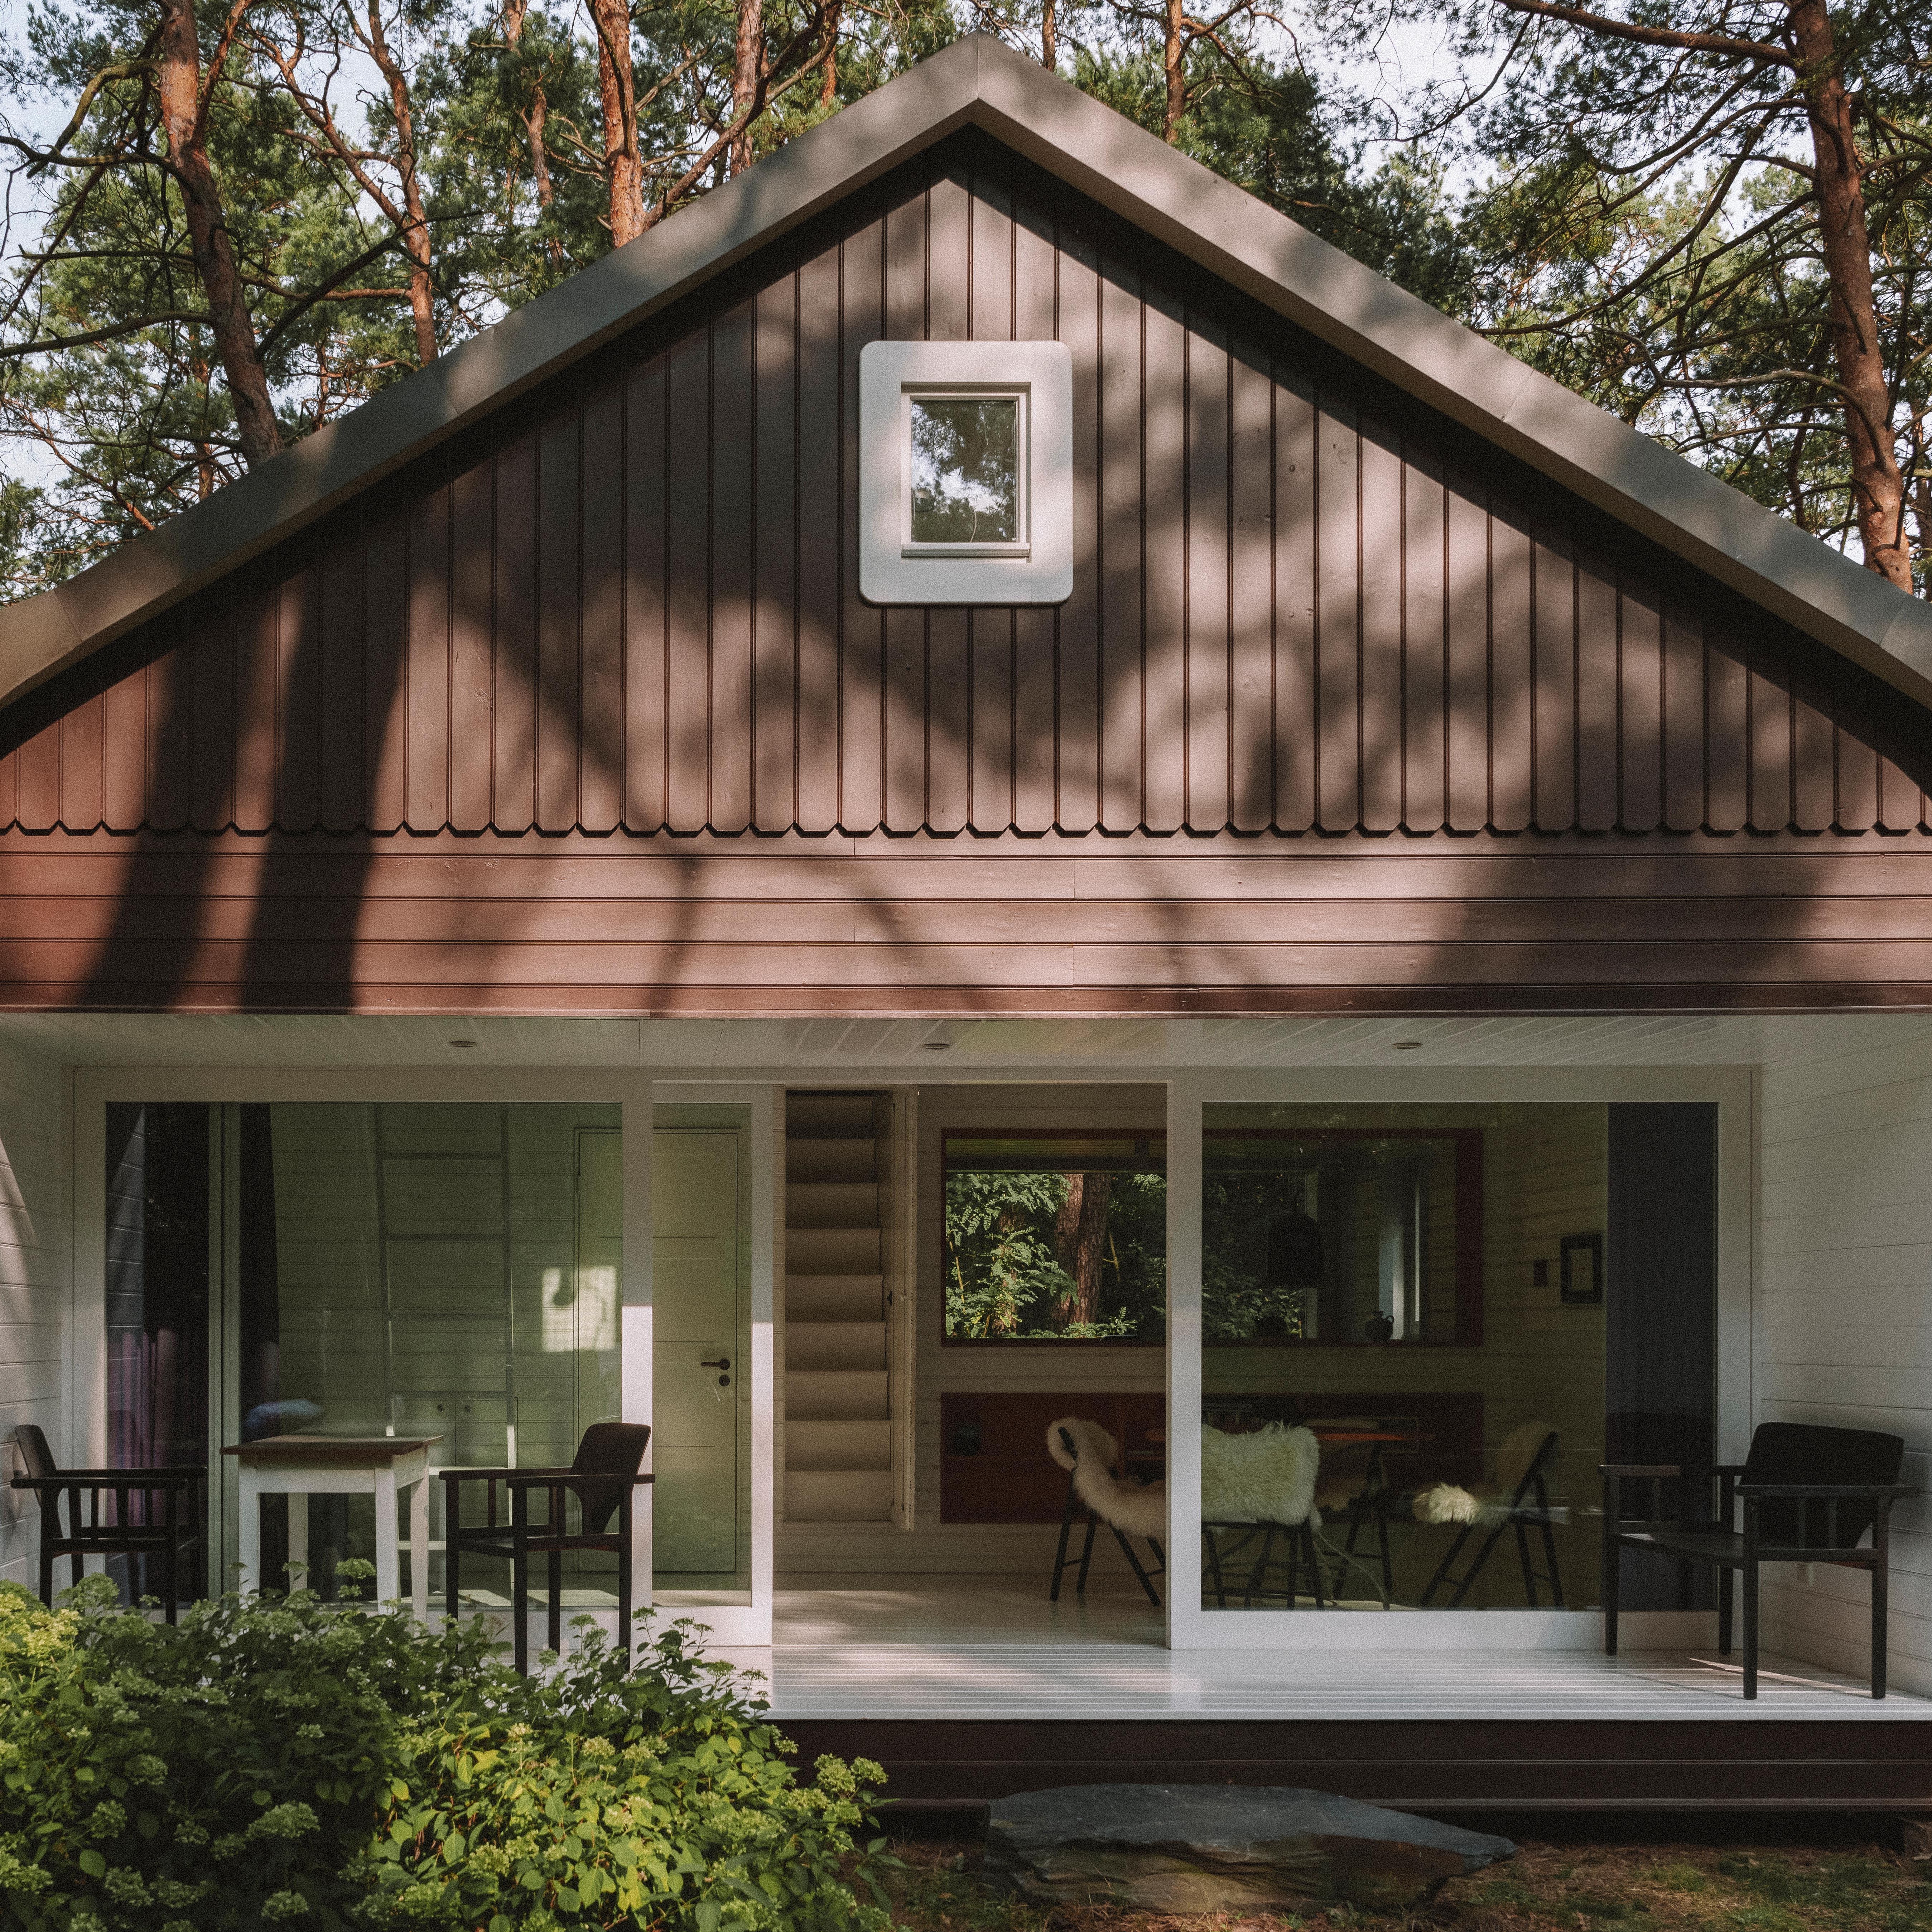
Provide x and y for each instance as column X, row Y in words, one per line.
column 1189, row 1627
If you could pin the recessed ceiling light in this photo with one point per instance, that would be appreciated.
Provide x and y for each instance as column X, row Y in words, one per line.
column 1407, row 1045
column 463, row 1043
column 935, row 1046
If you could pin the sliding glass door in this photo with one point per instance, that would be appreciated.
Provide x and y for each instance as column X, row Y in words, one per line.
column 444, row 1270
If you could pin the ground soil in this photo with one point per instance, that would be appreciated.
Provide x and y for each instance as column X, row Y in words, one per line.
column 1573, row 1886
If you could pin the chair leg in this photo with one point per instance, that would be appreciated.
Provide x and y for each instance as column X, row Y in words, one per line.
column 1552, row 1568
column 520, row 1583
column 1306, row 1533
column 1529, row 1596
column 1880, row 1608
column 1442, row 1569
column 1612, row 1579
column 1134, row 1562
column 1086, row 1554
column 625, row 1534
column 1726, row 1582
column 1750, row 1630
column 1060, row 1554
column 554, row 1576
column 1214, row 1577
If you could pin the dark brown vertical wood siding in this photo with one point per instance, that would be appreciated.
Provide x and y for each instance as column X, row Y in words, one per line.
column 635, row 608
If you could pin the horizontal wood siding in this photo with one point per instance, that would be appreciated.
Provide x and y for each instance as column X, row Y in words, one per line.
column 34, row 1242
column 1845, row 1245
column 703, row 924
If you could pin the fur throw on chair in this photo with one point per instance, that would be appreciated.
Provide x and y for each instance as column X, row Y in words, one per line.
column 1263, row 1475
column 1450, row 1502
column 1140, row 1509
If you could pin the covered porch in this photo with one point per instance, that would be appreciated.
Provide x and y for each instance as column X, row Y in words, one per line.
column 930, row 1643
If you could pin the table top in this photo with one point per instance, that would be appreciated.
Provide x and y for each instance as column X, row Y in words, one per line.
column 330, row 1452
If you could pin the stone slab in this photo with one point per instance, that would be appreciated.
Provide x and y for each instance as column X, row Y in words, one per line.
column 1222, row 1848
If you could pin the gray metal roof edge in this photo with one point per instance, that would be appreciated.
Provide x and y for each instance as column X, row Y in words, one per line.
column 1441, row 363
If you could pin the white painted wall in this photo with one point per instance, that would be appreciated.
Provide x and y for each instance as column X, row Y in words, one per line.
column 1843, row 1320
column 34, row 1208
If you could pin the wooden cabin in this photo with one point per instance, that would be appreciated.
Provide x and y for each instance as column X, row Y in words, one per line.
column 979, row 785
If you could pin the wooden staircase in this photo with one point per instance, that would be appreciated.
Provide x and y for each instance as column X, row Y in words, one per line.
column 838, row 1413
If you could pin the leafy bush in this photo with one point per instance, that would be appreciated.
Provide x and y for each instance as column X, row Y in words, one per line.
column 277, row 1762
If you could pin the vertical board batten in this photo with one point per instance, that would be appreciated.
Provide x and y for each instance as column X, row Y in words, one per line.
column 601, row 620
column 1338, row 667
column 647, row 606
column 729, row 748
column 557, row 717
column 513, row 708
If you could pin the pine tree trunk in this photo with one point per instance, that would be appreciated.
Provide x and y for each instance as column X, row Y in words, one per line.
column 828, row 90
column 1177, row 76
column 1049, row 36
column 1878, row 488
column 1080, row 1243
column 415, row 235
column 747, row 72
column 622, row 168
column 177, row 54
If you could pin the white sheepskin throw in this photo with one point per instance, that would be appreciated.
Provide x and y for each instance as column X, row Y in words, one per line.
column 1265, row 1475
column 1445, row 1502
column 1140, row 1509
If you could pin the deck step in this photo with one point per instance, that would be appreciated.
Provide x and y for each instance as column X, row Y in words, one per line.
column 831, row 1116
column 838, row 1495
column 835, row 1344
column 815, row 1160
column 834, row 1251
column 856, row 1447
column 835, row 1395
column 834, row 1297
column 852, row 1204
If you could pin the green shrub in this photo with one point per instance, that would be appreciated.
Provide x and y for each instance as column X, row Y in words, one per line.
column 275, row 1762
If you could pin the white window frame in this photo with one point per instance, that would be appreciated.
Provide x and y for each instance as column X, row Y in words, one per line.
column 1036, row 568
column 1190, row 1626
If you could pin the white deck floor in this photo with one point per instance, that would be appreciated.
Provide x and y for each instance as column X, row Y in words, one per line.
column 981, row 1649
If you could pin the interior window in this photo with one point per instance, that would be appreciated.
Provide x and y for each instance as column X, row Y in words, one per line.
column 965, row 469
column 1055, row 1238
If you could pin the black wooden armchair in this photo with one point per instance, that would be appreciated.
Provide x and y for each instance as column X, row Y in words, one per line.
column 604, row 1479
column 167, row 1524
column 1809, row 1494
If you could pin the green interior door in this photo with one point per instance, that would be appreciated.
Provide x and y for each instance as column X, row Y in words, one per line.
column 696, row 1374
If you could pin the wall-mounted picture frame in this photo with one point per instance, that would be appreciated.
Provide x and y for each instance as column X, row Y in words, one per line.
column 1581, row 1276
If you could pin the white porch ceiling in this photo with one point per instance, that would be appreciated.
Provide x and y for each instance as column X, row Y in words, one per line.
column 952, row 1048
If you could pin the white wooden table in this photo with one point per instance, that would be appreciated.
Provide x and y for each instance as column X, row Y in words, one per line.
column 302, row 1466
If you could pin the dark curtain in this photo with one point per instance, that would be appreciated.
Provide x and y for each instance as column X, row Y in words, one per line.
column 1660, row 1344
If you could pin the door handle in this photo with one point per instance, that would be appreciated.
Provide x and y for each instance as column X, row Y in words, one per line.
column 722, row 1362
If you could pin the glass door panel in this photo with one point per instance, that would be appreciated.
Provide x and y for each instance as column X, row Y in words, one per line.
column 699, row 1372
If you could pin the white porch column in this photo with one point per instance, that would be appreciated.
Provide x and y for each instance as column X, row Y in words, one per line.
column 634, row 1330
column 1185, row 1627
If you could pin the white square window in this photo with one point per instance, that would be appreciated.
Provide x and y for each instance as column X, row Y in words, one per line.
column 966, row 472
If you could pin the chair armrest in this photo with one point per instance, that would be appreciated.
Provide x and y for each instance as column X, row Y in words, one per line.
column 527, row 1479
column 473, row 1475
column 114, row 1479
column 1891, row 1492
column 1640, row 1469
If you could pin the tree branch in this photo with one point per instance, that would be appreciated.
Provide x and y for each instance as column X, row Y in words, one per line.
column 1765, row 51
